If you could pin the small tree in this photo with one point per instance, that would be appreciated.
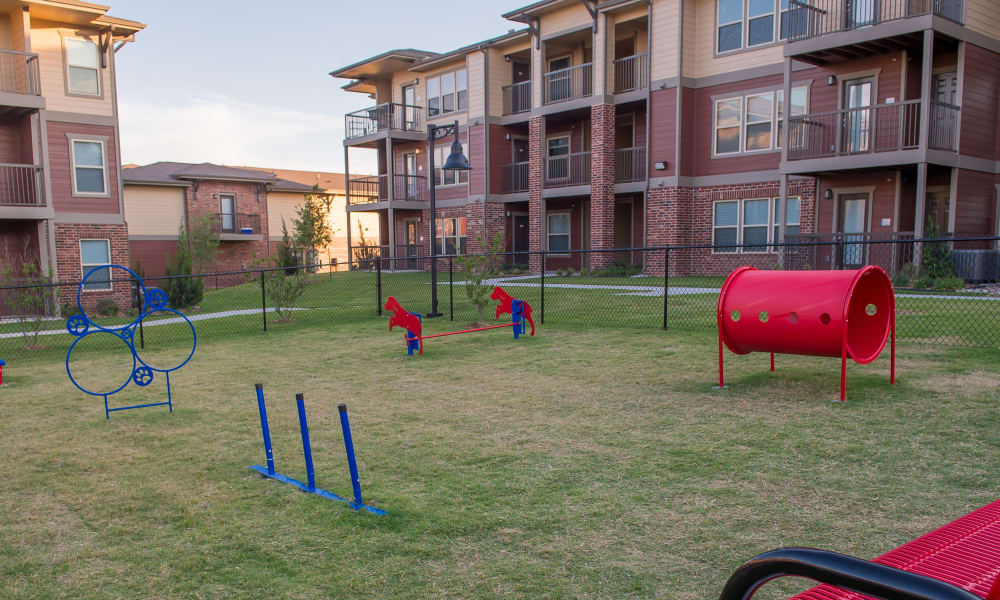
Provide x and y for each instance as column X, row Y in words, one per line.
column 311, row 226
column 364, row 253
column 203, row 242
column 936, row 261
column 284, row 254
column 29, row 305
column 480, row 269
column 183, row 291
column 286, row 284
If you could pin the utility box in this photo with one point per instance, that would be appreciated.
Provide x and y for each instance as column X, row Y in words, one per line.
column 977, row 266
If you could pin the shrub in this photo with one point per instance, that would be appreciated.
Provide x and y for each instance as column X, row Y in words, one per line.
column 909, row 270
column 618, row 269
column 481, row 268
column 182, row 292
column 107, row 307
column 936, row 259
column 67, row 310
column 949, row 283
column 284, row 254
column 284, row 290
column 29, row 305
column 924, row 283
column 900, row 280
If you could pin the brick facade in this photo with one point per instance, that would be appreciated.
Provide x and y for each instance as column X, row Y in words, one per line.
column 251, row 199
column 602, row 183
column 536, row 158
column 67, row 238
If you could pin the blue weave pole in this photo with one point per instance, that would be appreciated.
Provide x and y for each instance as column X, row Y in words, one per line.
column 352, row 464
column 310, row 486
column 517, row 317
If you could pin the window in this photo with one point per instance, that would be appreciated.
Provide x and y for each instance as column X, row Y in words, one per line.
column 753, row 223
column 447, row 93
column 750, row 20
column 557, row 165
column 95, row 253
column 450, row 236
column 558, row 232
column 82, row 67
column 89, row 176
column 449, row 177
column 753, row 123
column 728, row 125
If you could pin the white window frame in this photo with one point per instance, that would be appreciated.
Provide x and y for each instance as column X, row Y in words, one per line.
column 442, row 239
column 772, row 225
column 719, row 26
column 85, row 267
column 776, row 224
column 779, row 118
column 763, row 247
column 716, row 127
column 441, row 154
column 441, row 111
column 73, row 166
column 67, row 65
column 776, row 14
column 746, row 121
column 569, row 231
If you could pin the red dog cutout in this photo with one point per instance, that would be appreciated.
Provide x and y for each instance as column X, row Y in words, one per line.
column 400, row 316
column 505, row 306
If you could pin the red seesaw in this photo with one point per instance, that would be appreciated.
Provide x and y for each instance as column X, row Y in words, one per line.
column 519, row 310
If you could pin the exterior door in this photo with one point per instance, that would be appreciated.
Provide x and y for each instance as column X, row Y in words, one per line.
column 521, row 72
column 227, row 212
column 519, row 155
column 410, row 188
column 409, row 110
column 857, row 119
column 411, row 244
column 853, row 220
column 944, row 119
column 559, row 81
column 938, row 205
column 622, row 231
column 860, row 13
column 520, row 224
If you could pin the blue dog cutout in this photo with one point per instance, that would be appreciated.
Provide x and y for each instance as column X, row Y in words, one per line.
column 142, row 373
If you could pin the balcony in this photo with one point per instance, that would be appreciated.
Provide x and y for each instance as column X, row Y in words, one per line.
column 375, row 188
column 515, row 177
column 630, row 165
column 568, row 84
column 882, row 128
column 566, row 170
column 22, row 185
column 384, row 117
column 236, row 226
column 809, row 19
column 631, row 73
column 20, row 83
column 516, row 98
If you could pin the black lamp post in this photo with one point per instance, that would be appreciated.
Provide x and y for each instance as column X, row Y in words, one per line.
column 457, row 161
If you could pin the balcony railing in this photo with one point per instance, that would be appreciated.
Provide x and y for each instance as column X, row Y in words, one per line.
column 882, row 128
column 516, row 98
column 235, row 223
column 19, row 73
column 515, row 177
column 389, row 116
column 569, row 169
column 943, row 134
column 375, row 188
column 630, row 73
column 21, row 185
column 569, row 83
column 630, row 164
column 812, row 18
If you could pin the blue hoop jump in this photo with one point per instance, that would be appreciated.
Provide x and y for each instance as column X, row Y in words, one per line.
column 142, row 373
column 310, row 485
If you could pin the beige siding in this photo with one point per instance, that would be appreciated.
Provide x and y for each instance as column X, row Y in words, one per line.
column 690, row 37
column 46, row 41
column 153, row 210
column 604, row 47
column 477, row 85
column 571, row 17
column 462, row 118
column 665, row 36
column 282, row 206
column 16, row 24
column 983, row 16
column 6, row 39
column 501, row 74
column 706, row 63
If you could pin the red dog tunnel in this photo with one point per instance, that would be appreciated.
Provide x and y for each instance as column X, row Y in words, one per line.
column 816, row 313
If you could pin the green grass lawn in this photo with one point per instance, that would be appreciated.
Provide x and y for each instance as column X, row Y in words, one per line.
column 581, row 463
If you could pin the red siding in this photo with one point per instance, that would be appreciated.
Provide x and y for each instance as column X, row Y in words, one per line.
column 663, row 131
column 60, row 169
column 975, row 206
column 980, row 99
column 152, row 255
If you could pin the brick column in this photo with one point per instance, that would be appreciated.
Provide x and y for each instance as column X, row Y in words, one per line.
column 536, row 212
column 669, row 223
column 602, row 183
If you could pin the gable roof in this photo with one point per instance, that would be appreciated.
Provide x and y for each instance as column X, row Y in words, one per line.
column 182, row 174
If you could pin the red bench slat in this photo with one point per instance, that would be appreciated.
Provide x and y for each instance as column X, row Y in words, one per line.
column 964, row 553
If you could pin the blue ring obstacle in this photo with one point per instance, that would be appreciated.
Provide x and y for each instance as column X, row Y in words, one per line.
column 310, row 487
column 142, row 373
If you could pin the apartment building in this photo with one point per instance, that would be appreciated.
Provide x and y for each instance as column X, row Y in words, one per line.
column 246, row 206
column 621, row 123
column 60, row 181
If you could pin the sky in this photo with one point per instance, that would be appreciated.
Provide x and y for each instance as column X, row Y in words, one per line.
column 245, row 82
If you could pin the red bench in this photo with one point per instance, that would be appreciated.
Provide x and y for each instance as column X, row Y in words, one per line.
column 960, row 561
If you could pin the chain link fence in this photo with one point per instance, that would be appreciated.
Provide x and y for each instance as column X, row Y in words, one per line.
column 947, row 292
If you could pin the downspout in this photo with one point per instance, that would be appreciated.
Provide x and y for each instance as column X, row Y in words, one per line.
column 649, row 107
column 486, row 137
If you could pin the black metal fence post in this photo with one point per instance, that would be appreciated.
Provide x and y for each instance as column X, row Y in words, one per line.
column 142, row 307
column 666, row 284
column 542, row 319
column 378, row 284
column 451, row 288
column 263, row 300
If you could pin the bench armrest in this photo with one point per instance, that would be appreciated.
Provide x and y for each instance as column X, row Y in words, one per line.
column 838, row 570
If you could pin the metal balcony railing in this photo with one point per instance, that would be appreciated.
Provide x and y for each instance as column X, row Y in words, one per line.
column 813, row 18
column 19, row 73
column 389, row 116
column 881, row 128
column 630, row 164
column 235, row 223
column 21, row 185
column 515, row 177
column 409, row 187
column 630, row 73
column 375, row 188
column 943, row 134
column 569, row 169
column 569, row 83
column 516, row 98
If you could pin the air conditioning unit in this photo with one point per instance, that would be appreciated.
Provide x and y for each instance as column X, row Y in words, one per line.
column 977, row 266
